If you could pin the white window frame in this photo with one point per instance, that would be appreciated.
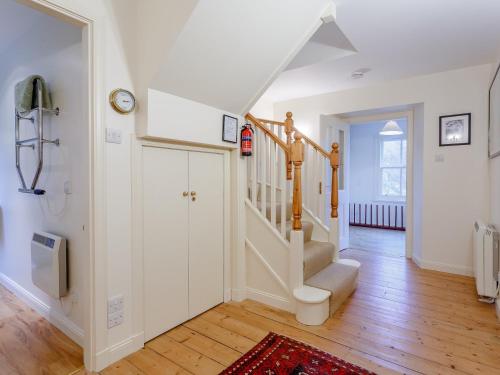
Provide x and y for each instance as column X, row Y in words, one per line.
column 389, row 198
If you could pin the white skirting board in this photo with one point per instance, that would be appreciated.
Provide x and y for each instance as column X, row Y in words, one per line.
column 443, row 267
column 62, row 322
column 269, row 299
column 497, row 304
column 118, row 351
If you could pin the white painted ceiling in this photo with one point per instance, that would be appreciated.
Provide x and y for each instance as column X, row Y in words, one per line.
column 230, row 50
column 15, row 21
column 398, row 39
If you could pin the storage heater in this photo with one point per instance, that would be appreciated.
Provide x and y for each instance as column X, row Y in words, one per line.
column 486, row 261
column 48, row 264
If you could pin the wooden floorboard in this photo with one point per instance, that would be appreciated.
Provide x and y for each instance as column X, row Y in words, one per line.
column 401, row 319
column 29, row 344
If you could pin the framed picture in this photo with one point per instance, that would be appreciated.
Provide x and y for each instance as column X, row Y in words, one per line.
column 229, row 129
column 454, row 130
column 494, row 117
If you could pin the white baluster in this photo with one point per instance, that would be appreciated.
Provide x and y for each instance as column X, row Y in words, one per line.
column 281, row 156
column 255, row 156
column 272, row 175
column 305, row 180
column 312, row 177
column 283, row 183
column 322, row 202
column 263, row 173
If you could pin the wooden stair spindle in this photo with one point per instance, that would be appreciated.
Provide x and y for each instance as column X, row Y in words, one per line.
column 335, row 162
column 297, row 157
column 288, row 131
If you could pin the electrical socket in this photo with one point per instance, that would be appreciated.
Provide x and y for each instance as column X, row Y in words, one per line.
column 115, row 319
column 116, row 307
column 115, row 304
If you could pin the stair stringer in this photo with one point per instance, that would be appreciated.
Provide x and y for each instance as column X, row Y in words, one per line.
column 268, row 260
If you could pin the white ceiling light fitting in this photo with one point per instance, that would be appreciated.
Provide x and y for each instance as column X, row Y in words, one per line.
column 391, row 128
column 360, row 73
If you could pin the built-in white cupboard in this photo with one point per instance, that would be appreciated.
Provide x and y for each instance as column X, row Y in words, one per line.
column 183, row 235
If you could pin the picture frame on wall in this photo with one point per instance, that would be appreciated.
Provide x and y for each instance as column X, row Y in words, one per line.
column 455, row 130
column 229, row 129
column 494, row 117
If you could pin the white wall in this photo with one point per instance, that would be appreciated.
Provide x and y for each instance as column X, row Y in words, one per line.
column 494, row 165
column 264, row 108
column 228, row 52
column 454, row 192
column 177, row 119
column 364, row 160
column 54, row 50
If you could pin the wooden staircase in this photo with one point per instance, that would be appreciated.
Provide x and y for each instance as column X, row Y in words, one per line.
column 314, row 276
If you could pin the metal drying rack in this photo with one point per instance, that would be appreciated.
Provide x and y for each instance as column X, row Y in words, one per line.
column 39, row 141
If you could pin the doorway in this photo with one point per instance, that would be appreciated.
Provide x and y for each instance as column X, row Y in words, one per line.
column 47, row 198
column 374, row 189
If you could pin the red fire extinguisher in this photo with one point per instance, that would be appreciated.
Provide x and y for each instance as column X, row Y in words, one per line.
column 246, row 140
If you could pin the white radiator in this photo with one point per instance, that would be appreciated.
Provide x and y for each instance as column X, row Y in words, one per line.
column 48, row 264
column 486, row 259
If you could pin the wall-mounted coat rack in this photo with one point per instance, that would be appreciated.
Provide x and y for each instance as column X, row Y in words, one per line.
column 37, row 142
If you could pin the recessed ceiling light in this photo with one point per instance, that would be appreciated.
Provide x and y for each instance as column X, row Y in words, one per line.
column 360, row 73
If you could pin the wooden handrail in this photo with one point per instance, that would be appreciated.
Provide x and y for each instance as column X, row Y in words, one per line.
column 270, row 134
column 315, row 145
column 271, row 122
column 335, row 163
column 297, row 157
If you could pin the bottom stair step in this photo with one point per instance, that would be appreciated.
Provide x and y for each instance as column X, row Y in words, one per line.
column 340, row 278
column 317, row 256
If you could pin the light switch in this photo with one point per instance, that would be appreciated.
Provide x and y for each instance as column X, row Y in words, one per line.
column 439, row 158
column 113, row 135
column 68, row 188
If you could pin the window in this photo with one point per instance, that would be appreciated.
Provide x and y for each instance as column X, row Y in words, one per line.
column 392, row 168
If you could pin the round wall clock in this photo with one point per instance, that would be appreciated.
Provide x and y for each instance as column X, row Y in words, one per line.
column 122, row 101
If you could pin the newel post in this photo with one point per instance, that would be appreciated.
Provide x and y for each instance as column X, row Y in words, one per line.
column 297, row 157
column 288, row 132
column 335, row 162
column 334, row 236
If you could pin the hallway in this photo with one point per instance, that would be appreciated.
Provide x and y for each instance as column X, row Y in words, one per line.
column 378, row 241
column 401, row 319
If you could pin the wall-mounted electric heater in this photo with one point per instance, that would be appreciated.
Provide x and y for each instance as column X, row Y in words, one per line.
column 486, row 260
column 48, row 264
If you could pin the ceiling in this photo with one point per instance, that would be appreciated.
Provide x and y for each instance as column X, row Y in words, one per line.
column 15, row 21
column 397, row 39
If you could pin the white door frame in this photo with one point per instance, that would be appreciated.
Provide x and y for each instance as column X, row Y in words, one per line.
column 327, row 126
column 93, row 298
column 137, row 215
column 409, row 164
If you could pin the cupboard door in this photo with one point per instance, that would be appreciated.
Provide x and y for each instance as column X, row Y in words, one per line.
column 206, row 227
column 166, row 222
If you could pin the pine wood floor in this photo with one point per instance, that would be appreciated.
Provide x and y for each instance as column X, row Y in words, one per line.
column 401, row 319
column 30, row 345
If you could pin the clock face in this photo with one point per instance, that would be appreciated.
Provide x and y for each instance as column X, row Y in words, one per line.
column 122, row 101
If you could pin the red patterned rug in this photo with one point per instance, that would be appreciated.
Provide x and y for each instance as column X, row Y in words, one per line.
column 280, row 355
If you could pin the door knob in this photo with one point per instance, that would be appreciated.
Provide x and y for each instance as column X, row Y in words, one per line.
column 185, row 194
column 193, row 193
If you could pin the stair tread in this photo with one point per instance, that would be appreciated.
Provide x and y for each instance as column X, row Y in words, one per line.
column 340, row 278
column 317, row 256
column 307, row 228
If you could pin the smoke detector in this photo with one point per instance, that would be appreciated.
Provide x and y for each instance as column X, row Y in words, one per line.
column 360, row 73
